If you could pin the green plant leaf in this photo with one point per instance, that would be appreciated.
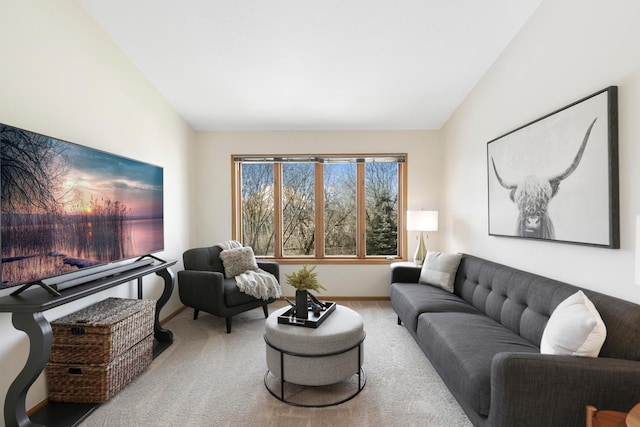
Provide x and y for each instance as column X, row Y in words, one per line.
column 305, row 279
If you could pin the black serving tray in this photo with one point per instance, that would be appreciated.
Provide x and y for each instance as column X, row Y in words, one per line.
column 313, row 321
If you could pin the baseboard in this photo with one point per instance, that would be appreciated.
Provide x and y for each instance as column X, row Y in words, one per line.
column 172, row 315
column 38, row 407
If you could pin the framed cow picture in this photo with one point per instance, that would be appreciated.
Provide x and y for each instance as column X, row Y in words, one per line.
column 556, row 178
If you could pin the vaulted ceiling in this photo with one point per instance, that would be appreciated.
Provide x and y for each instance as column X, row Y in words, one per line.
column 312, row 64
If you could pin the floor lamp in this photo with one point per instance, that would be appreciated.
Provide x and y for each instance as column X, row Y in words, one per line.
column 421, row 221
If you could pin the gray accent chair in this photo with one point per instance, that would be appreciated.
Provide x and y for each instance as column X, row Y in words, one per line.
column 202, row 285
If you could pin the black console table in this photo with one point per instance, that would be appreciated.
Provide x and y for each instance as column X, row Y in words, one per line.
column 27, row 308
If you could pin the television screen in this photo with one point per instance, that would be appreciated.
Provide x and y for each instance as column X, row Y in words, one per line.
column 67, row 207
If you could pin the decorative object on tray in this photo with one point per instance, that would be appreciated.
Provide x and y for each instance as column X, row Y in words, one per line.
column 316, row 314
column 304, row 280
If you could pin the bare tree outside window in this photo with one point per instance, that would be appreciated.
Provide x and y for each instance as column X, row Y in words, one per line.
column 340, row 214
column 352, row 213
column 257, row 207
column 298, row 209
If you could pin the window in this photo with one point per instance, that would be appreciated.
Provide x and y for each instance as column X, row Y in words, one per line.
column 321, row 207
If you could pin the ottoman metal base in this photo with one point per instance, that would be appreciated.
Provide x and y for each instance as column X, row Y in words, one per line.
column 319, row 365
column 361, row 377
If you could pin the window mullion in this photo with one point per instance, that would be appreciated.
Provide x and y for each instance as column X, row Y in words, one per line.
column 277, row 210
column 361, row 212
column 319, row 210
column 402, row 210
column 236, row 206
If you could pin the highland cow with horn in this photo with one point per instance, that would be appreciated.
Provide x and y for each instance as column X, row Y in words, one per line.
column 533, row 193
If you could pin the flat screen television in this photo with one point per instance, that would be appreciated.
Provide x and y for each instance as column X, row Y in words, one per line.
column 68, row 208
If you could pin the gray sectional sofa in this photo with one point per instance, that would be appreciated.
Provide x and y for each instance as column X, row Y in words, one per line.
column 484, row 341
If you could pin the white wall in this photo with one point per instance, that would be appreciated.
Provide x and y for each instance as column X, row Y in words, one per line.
column 63, row 77
column 569, row 49
column 212, row 181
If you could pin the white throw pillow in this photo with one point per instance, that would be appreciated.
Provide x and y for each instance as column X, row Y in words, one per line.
column 440, row 269
column 237, row 261
column 575, row 328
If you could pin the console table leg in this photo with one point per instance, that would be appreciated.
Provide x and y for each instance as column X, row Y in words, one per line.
column 38, row 329
column 164, row 335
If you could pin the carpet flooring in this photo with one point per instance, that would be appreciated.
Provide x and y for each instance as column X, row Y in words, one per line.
column 210, row 378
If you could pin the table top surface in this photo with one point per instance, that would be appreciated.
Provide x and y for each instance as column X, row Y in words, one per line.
column 343, row 329
column 342, row 322
column 37, row 299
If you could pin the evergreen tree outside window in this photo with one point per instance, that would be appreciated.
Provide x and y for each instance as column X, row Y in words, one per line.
column 381, row 189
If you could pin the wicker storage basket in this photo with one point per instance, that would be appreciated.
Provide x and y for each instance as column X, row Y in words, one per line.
column 100, row 332
column 96, row 383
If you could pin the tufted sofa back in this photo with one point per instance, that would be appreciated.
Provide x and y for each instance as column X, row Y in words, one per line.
column 523, row 302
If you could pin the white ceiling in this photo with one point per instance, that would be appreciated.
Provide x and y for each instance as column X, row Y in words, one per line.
column 312, row 64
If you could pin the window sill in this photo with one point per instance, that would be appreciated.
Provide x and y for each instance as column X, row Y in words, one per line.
column 336, row 260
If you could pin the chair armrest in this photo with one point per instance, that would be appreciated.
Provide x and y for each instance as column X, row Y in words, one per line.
column 198, row 289
column 270, row 267
column 405, row 273
column 530, row 389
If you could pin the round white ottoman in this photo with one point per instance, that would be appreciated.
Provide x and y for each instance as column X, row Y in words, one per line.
column 331, row 353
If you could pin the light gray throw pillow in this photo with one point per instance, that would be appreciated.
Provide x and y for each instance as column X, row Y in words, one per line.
column 440, row 269
column 237, row 261
column 575, row 328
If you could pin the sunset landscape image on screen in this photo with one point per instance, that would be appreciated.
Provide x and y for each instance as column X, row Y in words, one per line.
column 66, row 206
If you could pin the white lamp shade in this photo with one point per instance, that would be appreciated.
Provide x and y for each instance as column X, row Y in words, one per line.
column 422, row 220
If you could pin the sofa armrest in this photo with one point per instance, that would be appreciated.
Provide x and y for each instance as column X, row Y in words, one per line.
column 270, row 267
column 530, row 389
column 405, row 273
column 201, row 289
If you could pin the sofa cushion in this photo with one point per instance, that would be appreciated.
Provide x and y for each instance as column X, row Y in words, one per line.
column 439, row 270
column 461, row 347
column 238, row 260
column 410, row 300
column 575, row 328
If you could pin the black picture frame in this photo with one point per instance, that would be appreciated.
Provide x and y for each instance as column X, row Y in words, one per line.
column 556, row 178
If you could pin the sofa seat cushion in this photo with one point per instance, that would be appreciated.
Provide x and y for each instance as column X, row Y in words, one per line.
column 461, row 347
column 233, row 296
column 412, row 299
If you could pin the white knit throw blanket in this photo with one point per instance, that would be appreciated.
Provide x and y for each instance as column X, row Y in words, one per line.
column 257, row 283
column 229, row 244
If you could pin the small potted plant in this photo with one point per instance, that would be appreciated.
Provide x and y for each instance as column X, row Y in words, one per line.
column 304, row 280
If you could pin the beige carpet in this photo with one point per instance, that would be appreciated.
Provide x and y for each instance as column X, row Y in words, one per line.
column 210, row 378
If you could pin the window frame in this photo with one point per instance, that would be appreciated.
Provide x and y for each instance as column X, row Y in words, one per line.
column 319, row 159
